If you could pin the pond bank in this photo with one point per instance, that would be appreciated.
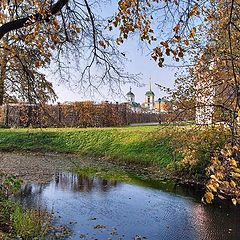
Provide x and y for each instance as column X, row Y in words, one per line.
column 160, row 147
column 40, row 168
column 154, row 152
column 144, row 145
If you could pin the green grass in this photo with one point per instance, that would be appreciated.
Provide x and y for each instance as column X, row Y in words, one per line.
column 29, row 223
column 141, row 144
column 163, row 146
column 108, row 174
column 17, row 222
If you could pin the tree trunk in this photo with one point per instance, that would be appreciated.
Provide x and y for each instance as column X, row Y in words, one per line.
column 3, row 67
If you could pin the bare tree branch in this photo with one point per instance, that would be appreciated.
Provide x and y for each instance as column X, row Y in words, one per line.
column 20, row 23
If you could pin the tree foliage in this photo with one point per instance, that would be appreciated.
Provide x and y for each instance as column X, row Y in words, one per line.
column 224, row 173
column 68, row 35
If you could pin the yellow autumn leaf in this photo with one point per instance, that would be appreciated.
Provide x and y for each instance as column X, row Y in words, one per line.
column 213, row 177
column 233, row 162
column 177, row 38
column 212, row 188
column 236, row 175
column 208, row 196
column 176, row 28
column 192, row 32
column 237, row 170
column 194, row 11
column 233, row 184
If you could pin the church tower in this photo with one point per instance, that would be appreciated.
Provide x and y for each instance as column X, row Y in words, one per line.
column 149, row 98
column 130, row 96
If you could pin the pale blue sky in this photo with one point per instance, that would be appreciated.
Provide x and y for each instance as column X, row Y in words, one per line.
column 140, row 62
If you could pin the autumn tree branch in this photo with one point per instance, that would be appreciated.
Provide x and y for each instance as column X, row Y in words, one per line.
column 20, row 23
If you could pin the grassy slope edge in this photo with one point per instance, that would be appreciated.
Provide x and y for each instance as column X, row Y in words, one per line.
column 163, row 146
column 144, row 144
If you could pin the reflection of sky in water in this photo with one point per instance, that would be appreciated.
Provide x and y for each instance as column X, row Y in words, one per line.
column 132, row 210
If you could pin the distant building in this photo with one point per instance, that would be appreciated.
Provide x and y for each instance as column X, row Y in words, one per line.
column 205, row 92
column 161, row 105
column 130, row 96
column 134, row 106
column 149, row 103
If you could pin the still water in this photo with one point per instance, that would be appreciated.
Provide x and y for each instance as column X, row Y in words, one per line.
column 94, row 208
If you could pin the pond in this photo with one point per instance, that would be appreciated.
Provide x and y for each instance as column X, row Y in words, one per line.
column 95, row 208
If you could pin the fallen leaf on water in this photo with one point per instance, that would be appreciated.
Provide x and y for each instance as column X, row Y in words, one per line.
column 139, row 237
column 99, row 226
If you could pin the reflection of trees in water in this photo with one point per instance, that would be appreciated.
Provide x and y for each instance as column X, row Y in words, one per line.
column 78, row 183
column 30, row 194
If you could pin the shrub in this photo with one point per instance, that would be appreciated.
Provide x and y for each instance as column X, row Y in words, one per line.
column 224, row 175
column 30, row 223
column 197, row 146
column 8, row 185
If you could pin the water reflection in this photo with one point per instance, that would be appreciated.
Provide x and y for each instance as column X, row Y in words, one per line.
column 131, row 210
column 65, row 182
column 77, row 183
